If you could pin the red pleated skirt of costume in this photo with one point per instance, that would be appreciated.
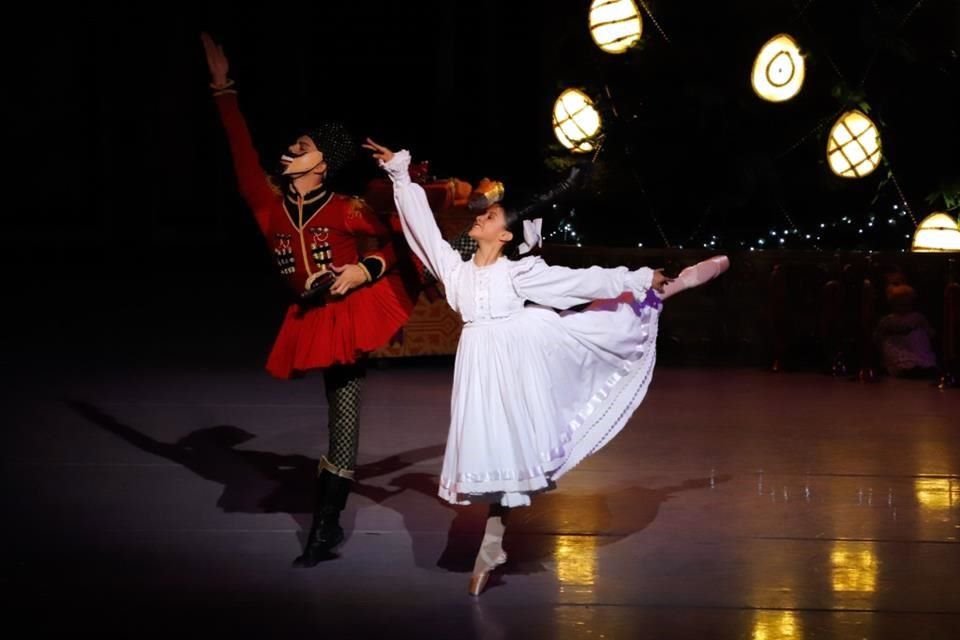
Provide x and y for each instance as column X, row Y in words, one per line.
column 341, row 330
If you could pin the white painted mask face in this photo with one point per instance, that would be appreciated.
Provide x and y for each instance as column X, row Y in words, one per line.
column 302, row 157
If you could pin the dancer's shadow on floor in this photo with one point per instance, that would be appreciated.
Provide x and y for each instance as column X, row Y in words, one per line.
column 254, row 481
column 559, row 527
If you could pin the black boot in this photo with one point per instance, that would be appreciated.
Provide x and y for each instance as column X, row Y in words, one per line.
column 326, row 532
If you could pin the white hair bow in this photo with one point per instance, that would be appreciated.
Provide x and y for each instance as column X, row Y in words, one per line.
column 531, row 236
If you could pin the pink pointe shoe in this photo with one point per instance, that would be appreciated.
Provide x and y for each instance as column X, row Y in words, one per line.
column 696, row 275
column 478, row 581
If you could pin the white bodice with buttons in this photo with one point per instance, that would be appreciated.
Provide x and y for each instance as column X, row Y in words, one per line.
column 483, row 293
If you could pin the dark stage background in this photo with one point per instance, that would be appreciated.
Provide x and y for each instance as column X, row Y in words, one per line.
column 122, row 214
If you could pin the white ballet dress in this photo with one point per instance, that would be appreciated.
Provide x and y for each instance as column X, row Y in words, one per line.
column 537, row 387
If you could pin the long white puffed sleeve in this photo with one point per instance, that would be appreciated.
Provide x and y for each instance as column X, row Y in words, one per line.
column 419, row 226
column 562, row 287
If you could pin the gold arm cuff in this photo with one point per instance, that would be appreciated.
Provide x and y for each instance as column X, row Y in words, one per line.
column 383, row 264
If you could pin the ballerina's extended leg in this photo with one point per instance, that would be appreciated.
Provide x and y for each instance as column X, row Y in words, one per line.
column 491, row 553
column 696, row 275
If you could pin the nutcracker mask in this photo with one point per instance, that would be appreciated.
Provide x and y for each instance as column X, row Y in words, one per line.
column 325, row 149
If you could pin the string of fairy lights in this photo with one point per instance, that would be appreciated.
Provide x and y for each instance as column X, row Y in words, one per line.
column 853, row 151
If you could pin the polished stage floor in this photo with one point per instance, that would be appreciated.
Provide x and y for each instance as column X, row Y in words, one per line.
column 170, row 500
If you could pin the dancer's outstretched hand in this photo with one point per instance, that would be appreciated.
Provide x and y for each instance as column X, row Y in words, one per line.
column 216, row 61
column 380, row 152
column 660, row 280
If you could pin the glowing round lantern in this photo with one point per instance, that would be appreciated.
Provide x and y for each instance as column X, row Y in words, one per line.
column 936, row 233
column 853, row 149
column 576, row 122
column 779, row 70
column 615, row 25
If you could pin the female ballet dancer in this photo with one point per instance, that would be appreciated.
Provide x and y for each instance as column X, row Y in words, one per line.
column 535, row 390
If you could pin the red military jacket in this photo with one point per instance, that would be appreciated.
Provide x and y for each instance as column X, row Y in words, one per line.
column 311, row 233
